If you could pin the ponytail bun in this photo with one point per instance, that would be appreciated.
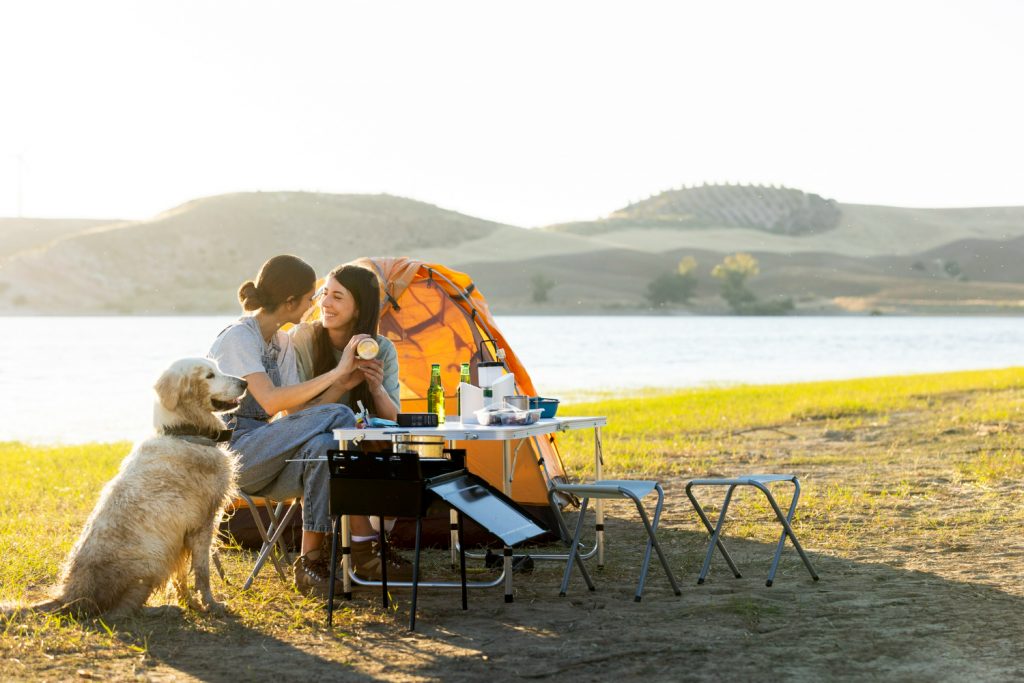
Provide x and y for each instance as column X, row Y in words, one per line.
column 249, row 296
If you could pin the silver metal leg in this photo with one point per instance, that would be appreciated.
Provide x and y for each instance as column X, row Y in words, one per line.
column 599, row 507
column 711, row 530
column 453, row 529
column 784, row 519
column 652, row 542
column 506, row 480
column 271, row 540
column 574, row 556
column 600, row 490
column 335, row 527
column 787, row 530
column 715, row 536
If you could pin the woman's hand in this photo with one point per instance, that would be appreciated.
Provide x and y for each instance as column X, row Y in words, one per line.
column 373, row 372
column 347, row 363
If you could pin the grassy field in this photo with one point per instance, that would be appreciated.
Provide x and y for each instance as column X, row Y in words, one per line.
column 912, row 510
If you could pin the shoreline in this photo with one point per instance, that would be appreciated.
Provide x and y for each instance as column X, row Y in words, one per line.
column 715, row 392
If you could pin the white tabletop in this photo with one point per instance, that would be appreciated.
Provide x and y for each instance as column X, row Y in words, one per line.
column 457, row 431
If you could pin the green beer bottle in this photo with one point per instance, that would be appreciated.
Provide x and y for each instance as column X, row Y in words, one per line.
column 463, row 378
column 435, row 394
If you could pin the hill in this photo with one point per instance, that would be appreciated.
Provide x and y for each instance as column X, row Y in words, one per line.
column 193, row 257
column 776, row 210
column 657, row 224
column 21, row 234
column 827, row 256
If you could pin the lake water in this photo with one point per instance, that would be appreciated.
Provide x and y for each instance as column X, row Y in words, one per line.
column 81, row 379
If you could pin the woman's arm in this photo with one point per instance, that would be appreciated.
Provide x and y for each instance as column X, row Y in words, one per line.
column 276, row 399
column 295, row 396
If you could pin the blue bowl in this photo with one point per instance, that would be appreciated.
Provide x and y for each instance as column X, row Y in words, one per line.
column 549, row 406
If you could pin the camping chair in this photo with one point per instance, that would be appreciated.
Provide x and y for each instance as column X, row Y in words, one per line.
column 270, row 533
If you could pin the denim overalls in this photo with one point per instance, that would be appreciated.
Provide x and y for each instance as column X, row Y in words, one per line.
column 264, row 447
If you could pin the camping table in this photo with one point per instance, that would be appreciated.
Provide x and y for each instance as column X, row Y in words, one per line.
column 457, row 431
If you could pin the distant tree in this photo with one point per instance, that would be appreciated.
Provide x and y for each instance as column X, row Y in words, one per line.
column 540, row 286
column 952, row 269
column 687, row 265
column 675, row 287
column 733, row 272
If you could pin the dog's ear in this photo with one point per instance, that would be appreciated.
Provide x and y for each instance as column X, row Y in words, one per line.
column 169, row 388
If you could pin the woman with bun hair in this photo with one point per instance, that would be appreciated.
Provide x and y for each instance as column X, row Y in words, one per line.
column 255, row 349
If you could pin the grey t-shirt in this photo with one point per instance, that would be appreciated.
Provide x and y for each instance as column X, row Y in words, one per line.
column 302, row 345
column 239, row 351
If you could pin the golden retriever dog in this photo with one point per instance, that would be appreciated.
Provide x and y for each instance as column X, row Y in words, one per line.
column 158, row 515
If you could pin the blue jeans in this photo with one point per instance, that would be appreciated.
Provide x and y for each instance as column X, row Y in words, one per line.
column 263, row 448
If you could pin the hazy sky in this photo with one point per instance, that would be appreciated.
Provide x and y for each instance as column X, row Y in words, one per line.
column 523, row 112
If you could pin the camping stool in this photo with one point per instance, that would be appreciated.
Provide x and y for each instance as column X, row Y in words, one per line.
column 633, row 490
column 271, row 533
column 758, row 481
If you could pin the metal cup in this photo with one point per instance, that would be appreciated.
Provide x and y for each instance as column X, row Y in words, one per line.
column 518, row 402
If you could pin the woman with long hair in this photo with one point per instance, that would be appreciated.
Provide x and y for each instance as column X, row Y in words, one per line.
column 255, row 348
column 350, row 307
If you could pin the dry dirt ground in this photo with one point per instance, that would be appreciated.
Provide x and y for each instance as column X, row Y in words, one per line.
column 921, row 580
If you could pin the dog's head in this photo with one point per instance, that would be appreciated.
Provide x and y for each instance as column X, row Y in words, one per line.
column 198, row 384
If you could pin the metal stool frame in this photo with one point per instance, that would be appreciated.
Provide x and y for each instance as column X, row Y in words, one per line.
column 758, row 481
column 271, row 533
column 634, row 491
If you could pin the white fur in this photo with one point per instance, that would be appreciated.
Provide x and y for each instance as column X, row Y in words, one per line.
column 162, row 508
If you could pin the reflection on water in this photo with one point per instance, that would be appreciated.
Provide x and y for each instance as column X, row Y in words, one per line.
column 85, row 379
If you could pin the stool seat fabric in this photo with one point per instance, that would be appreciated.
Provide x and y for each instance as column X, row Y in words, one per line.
column 609, row 488
column 761, row 478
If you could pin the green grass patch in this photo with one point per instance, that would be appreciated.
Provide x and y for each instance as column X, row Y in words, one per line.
column 646, row 435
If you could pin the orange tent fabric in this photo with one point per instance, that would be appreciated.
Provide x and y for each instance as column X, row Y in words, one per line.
column 436, row 315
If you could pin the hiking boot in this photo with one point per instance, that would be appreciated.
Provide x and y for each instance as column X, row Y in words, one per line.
column 313, row 575
column 366, row 560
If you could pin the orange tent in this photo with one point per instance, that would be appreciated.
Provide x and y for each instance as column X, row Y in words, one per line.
column 434, row 314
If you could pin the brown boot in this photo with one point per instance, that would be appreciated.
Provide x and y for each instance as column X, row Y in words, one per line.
column 313, row 575
column 366, row 560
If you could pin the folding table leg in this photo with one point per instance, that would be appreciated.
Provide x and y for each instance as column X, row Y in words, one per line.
column 415, row 573
column 333, row 574
column 462, row 562
column 453, row 531
column 383, row 563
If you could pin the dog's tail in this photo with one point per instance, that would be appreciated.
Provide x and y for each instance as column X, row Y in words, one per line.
column 10, row 612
